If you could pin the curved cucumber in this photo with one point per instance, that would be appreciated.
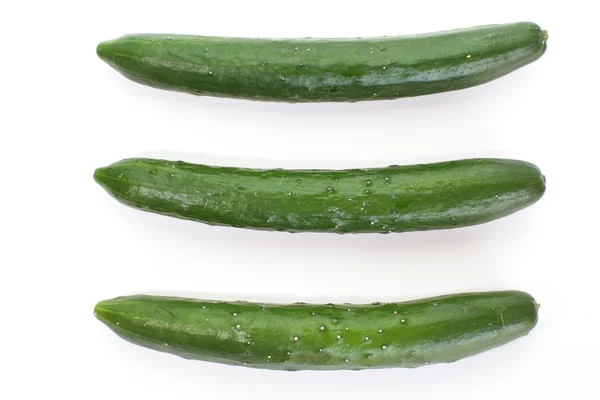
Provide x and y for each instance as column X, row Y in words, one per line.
column 320, row 337
column 312, row 70
column 394, row 199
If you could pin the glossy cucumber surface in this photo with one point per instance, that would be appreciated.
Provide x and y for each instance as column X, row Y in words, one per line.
column 443, row 195
column 325, row 69
column 323, row 337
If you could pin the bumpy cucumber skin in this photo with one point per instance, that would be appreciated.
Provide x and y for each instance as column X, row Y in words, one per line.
column 319, row 70
column 441, row 195
column 323, row 337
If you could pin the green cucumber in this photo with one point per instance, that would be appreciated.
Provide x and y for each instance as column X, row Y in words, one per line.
column 323, row 337
column 314, row 70
column 441, row 195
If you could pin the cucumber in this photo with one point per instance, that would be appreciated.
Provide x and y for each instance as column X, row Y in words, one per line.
column 325, row 69
column 323, row 337
column 441, row 195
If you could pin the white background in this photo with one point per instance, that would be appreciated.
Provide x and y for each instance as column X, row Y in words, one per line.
column 67, row 244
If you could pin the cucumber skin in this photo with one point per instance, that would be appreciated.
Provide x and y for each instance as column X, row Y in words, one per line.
column 305, row 336
column 320, row 70
column 421, row 197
